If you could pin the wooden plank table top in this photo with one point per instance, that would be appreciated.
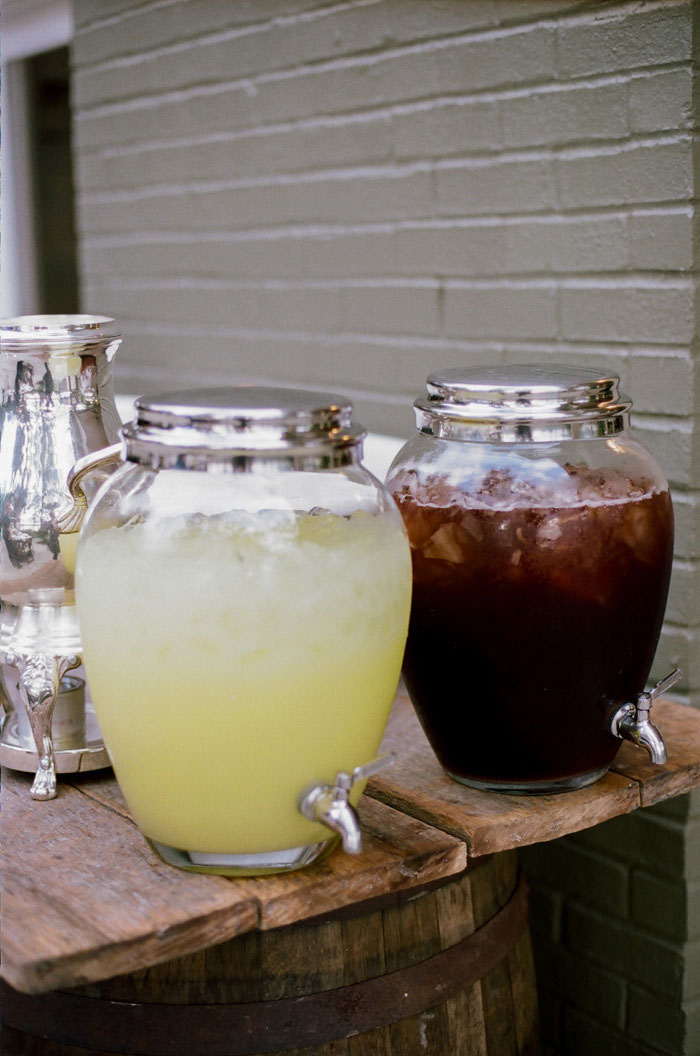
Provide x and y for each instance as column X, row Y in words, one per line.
column 84, row 897
column 490, row 822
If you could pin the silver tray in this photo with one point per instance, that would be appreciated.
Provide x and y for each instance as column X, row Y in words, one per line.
column 91, row 756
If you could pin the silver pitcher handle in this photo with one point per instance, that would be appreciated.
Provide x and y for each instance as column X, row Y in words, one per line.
column 71, row 520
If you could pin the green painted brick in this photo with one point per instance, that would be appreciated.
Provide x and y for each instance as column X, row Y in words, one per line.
column 583, row 983
column 659, row 905
column 626, row 38
column 691, row 974
column 495, row 186
column 670, row 440
column 551, row 1008
column 586, row 112
column 390, row 75
column 684, row 597
column 656, row 1022
column 645, row 313
column 658, row 383
column 583, row 1036
column 661, row 239
column 88, row 11
column 592, row 990
column 452, row 127
column 508, row 11
column 661, row 100
column 546, row 906
column 641, row 838
column 588, row 986
column 680, row 807
column 135, row 26
column 482, row 247
column 691, row 1010
column 679, row 647
column 668, row 847
column 656, row 172
column 579, row 873
column 352, row 197
column 331, row 31
column 626, row 950
column 500, row 313
column 693, row 909
column 573, row 244
column 243, row 154
column 686, row 509
column 407, row 309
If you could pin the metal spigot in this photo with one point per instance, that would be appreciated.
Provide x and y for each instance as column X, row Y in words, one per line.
column 631, row 721
column 330, row 804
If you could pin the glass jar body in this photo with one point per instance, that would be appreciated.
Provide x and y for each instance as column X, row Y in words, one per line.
column 243, row 635
column 541, row 573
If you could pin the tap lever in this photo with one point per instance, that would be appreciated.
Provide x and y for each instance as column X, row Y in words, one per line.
column 660, row 687
column 361, row 773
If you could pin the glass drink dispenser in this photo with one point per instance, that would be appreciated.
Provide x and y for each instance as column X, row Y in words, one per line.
column 243, row 587
column 542, row 538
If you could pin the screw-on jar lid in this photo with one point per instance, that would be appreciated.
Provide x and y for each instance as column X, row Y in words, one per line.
column 527, row 403
column 187, row 429
column 67, row 334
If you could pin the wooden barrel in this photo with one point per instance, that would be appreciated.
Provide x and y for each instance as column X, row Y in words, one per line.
column 445, row 971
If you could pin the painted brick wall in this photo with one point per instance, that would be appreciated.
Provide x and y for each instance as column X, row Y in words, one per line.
column 348, row 195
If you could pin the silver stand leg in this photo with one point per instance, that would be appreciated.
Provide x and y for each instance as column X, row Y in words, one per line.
column 40, row 676
column 6, row 705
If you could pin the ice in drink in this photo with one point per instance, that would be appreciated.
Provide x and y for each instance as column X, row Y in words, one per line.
column 235, row 659
column 536, row 611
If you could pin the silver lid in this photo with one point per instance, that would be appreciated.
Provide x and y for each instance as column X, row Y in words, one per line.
column 522, row 404
column 191, row 429
column 68, row 334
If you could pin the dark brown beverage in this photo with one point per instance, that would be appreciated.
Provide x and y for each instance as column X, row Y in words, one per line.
column 532, row 623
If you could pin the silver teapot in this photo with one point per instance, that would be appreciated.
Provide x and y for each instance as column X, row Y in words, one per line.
column 56, row 406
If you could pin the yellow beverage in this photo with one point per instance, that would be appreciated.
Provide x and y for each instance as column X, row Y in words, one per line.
column 68, row 545
column 235, row 660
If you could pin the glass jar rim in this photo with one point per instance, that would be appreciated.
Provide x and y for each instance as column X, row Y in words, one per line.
column 522, row 403
column 188, row 428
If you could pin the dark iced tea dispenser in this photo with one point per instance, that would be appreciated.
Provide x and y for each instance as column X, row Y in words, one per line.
column 542, row 536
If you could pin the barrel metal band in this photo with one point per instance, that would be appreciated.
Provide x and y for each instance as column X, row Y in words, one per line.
column 247, row 1029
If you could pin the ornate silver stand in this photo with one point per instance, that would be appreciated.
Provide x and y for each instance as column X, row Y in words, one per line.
column 40, row 676
column 47, row 728
column 56, row 406
column 76, row 735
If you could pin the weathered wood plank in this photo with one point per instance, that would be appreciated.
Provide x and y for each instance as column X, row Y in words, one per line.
column 84, row 897
column 400, row 852
column 101, row 787
column 487, row 821
column 680, row 728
